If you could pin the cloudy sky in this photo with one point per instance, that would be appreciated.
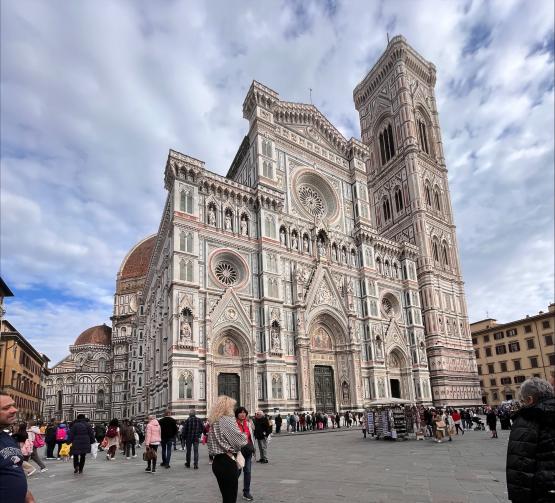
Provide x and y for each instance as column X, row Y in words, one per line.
column 94, row 93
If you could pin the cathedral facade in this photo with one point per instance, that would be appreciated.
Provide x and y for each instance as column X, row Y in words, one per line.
column 322, row 273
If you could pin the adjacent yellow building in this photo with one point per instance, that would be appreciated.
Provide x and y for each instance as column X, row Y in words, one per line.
column 22, row 372
column 507, row 354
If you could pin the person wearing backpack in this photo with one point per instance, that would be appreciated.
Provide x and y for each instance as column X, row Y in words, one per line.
column 99, row 433
column 112, row 439
column 37, row 441
column 61, row 436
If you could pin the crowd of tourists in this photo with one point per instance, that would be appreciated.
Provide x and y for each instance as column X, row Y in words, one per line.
column 235, row 440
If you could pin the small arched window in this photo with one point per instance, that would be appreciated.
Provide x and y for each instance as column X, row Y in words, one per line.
column 101, row 365
column 386, row 207
column 270, row 227
column 267, row 169
column 267, row 148
column 445, row 254
column 435, row 251
column 422, row 136
column 186, row 241
column 186, row 270
column 398, row 200
column 437, row 199
column 186, row 201
column 277, row 386
column 428, row 195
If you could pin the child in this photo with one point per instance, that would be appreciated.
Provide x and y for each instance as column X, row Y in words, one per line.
column 64, row 452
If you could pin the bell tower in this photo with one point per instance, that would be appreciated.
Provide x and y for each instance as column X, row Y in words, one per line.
column 407, row 180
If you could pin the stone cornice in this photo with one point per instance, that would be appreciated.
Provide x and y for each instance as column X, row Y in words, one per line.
column 397, row 50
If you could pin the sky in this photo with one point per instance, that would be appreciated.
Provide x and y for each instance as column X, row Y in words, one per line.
column 95, row 93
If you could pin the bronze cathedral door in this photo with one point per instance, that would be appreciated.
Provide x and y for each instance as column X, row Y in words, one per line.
column 324, row 388
column 229, row 384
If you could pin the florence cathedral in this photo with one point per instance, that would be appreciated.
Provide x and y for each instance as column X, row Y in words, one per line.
column 321, row 273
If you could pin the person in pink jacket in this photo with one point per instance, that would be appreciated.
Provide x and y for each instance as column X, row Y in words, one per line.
column 152, row 441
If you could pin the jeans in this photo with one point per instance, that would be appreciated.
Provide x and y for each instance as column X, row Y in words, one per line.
column 227, row 475
column 36, row 458
column 50, row 449
column 263, row 446
column 128, row 448
column 247, row 474
column 79, row 462
column 194, row 443
column 152, row 462
column 166, row 451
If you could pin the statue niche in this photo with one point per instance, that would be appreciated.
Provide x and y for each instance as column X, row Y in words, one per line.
column 185, row 329
column 275, row 337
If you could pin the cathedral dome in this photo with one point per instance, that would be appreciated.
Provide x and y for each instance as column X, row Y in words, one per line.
column 100, row 335
column 135, row 264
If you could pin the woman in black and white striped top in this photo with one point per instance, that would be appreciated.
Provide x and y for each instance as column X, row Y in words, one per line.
column 225, row 439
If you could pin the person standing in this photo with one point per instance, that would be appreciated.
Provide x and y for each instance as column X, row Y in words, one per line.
column 113, row 439
column 168, row 431
column 192, row 430
column 13, row 483
column 128, row 439
column 491, row 419
column 81, row 436
column 262, row 431
column 50, row 439
column 531, row 448
column 225, row 440
column 152, row 441
column 246, row 426
column 278, row 420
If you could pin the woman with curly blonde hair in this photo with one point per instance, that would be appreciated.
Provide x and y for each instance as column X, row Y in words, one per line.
column 224, row 441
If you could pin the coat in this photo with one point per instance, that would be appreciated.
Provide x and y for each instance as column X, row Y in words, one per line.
column 491, row 419
column 50, row 434
column 531, row 454
column 153, row 435
column 262, row 427
column 81, row 436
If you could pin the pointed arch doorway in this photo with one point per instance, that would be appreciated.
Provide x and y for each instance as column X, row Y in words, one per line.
column 324, row 388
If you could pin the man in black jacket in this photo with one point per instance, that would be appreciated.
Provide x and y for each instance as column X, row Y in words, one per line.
column 531, row 449
column 262, row 430
column 168, row 431
column 192, row 430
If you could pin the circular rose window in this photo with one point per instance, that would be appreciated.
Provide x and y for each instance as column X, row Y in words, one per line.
column 314, row 196
column 390, row 306
column 227, row 268
column 226, row 273
column 312, row 201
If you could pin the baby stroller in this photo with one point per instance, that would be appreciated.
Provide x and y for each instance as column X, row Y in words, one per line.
column 479, row 424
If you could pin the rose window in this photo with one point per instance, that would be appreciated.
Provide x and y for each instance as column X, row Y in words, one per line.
column 312, row 201
column 226, row 273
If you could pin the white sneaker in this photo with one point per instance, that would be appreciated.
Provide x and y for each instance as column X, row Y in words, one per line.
column 128, row 457
column 44, row 470
column 134, row 455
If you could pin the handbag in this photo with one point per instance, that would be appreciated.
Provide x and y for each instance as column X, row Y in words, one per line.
column 104, row 443
column 240, row 460
column 247, row 450
column 149, row 454
column 440, row 424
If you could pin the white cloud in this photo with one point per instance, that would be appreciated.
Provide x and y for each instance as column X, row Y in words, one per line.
column 94, row 95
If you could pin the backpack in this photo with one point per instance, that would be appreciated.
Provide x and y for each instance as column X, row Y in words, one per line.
column 38, row 442
column 61, row 434
column 27, row 448
column 112, row 432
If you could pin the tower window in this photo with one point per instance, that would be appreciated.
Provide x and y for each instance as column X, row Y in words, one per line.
column 386, row 209
column 422, row 136
column 186, row 201
column 435, row 251
column 398, row 200
column 428, row 195
column 445, row 255
column 387, row 146
column 437, row 200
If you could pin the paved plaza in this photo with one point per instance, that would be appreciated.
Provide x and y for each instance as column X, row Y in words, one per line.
column 320, row 467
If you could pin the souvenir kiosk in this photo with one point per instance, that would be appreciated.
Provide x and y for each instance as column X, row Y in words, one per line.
column 394, row 418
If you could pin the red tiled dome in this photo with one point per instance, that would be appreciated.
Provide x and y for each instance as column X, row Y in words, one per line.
column 101, row 335
column 135, row 265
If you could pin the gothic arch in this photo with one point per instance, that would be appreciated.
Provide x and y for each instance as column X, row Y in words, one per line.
column 241, row 340
column 335, row 324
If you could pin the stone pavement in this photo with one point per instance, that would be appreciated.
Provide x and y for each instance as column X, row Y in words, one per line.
column 321, row 467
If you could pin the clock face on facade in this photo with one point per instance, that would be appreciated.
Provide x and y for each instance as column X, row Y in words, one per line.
column 133, row 303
